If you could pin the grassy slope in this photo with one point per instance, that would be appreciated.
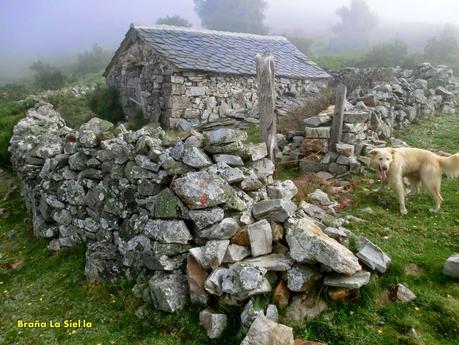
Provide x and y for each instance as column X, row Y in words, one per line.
column 52, row 287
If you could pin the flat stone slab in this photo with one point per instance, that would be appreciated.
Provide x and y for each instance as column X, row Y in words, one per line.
column 206, row 217
column 308, row 244
column 260, row 236
column 168, row 231
column 271, row 262
column 278, row 209
column 355, row 281
column 371, row 255
column 231, row 160
column 168, row 291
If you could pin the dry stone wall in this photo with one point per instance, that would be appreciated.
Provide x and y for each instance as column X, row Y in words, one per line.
column 371, row 116
column 186, row 99
column 194, row 219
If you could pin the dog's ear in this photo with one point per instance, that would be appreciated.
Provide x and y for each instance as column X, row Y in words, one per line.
column 372, row 153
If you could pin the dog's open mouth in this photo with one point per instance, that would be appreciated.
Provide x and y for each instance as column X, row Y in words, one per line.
column 382, row 174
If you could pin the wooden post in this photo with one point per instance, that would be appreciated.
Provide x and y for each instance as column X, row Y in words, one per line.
column 266, row 101
column 337, row 123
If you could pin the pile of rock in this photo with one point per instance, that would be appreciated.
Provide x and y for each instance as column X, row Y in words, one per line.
column 195, row 218
column 370, row 116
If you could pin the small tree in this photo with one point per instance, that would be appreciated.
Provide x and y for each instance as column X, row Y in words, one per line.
column 174, row 20
column 443, row 48
column 233, row 15
column 47, row 77
column 92, row 60
column 357, row 21
column 105, row 102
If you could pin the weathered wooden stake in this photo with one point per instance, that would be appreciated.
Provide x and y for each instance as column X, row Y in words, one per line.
column 337, row 123
column 266, row 101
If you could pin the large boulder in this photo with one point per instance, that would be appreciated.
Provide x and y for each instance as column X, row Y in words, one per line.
column 309, row 244
column 263, row 331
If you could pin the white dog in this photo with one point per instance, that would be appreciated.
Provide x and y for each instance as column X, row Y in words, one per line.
column 417, row 166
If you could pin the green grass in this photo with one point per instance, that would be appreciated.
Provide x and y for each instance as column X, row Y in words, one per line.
column 53, row 287
column 418, row 244
column 74, row 110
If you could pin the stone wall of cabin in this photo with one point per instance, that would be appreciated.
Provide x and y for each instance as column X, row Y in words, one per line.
column 184, row 99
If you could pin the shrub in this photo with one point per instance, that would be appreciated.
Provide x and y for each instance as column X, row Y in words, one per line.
column 294, row 121
column 386, row 54
column 75, row 110
column 105, row 102
column 93, row 60
column 138, row 120
column 47, row 77
column 339, row 60
column 363, row 79
column 10, row 114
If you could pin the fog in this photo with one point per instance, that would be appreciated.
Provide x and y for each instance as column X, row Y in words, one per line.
column 56, row 30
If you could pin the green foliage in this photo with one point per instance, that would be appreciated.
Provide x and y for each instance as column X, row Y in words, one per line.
column 357, row 21
column 387, row 54
column 10, row 114
column 443, row 49
column 233, row 15
column 105, row 102
column 304, row 44
column 47, row 77
column 175, row 21
column 93, row 60
column 74, row 110
column 15, row 92
column 138, row 120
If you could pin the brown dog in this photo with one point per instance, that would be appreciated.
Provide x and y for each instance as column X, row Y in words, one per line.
column 418, row 167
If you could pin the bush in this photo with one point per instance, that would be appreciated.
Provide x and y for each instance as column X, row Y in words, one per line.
column 294, row 121
column 339, row 60
column 10, row 114
column 47, row 77
column 363, row 79
column 74, row 110
column 386, row 54
column 138, row 120
column 105, row 102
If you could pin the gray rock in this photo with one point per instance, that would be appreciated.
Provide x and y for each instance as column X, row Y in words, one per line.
column 243, row 281
column 231, row 160
column 317, row 121
column 213, row 323
column 160, row 249
column 271, row 262
column 196, row 158
column 301, row 278
column 262, row 168
column 166, row 205
column 371, row 255
column 355, row 281
column 146, row 163
column 221, row 231
column 164, row 262
column 201, row 189
column 251, row 183
column 321, row 197
column 282, row 190
column 214, row 282
column 403, row 294
column 250, row 313
column 211, row 255
column 103, row 262
column 206, row 217
column 229, row 174
column 168, row 291
column 272, row 313
column 266, row 332
column 168, row 231
column 235, row 253
column 310, row 245
column 277, row 209
column 224, row 136
column 451, row 267
column 257, row 151
column 87, row 138
column 260, row 236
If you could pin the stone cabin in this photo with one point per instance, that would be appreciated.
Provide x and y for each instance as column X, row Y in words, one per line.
column 182, row 77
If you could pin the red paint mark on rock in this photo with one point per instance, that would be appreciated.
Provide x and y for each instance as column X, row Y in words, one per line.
column 203, row 200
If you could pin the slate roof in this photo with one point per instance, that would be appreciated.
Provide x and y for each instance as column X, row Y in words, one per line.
column 226, row 52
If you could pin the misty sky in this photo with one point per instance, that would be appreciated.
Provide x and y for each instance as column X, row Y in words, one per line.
column 46, row 28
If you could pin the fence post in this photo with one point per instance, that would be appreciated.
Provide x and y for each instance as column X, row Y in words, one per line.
column 337, row 123
column 266, row 101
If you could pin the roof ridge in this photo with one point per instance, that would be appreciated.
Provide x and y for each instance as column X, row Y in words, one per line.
column 206, row 31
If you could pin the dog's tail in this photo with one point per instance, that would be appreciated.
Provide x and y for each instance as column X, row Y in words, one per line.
column 450, row 165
